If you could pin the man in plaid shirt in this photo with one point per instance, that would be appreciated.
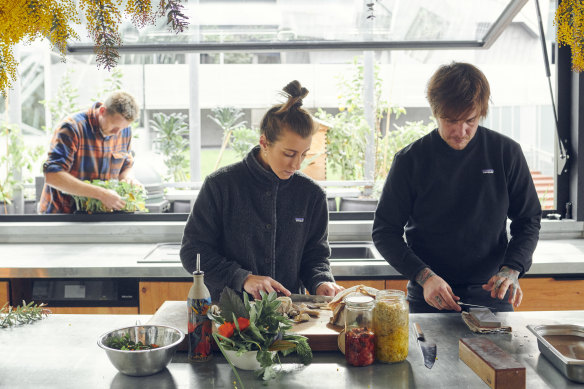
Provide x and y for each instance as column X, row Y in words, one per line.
column 90, row 145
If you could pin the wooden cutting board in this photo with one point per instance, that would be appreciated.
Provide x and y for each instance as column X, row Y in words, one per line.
column 321, row 335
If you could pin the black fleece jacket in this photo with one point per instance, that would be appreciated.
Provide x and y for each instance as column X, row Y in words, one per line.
column 454, row 205
column 248, row 221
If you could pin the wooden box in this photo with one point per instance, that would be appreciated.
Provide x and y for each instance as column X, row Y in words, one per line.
column 492, row 364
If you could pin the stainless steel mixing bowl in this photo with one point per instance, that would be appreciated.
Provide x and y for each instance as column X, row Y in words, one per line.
column 143, row 362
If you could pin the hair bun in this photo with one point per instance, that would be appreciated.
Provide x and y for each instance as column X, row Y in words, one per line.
column 295, row 93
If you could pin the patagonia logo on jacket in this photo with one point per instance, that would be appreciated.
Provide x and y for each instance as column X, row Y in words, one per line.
column 299, row 220
column 488, row 171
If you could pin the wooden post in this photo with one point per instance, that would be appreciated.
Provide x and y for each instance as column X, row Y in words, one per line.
column 317, row 154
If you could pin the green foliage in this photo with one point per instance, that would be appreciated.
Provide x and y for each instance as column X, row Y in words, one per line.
column 111, row 84
column 124, row 342
column 228, row 119
column 133, row 195
column 231, row 304
column 171, row 142
column 396, row 140
column 244, row 139
column 22, row 314
column 347, row 136
column 64, row 103
column 346, row 143
column 351, row 94
column 18, row 159
column 266, row 333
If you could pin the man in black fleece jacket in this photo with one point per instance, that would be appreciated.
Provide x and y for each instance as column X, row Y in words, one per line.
column 453, row 190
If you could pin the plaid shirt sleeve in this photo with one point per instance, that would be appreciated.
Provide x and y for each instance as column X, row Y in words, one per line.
column 64, row 146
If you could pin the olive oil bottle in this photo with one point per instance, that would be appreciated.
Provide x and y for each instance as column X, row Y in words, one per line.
column 199, row 326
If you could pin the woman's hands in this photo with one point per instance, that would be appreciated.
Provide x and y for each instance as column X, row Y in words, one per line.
column 437, row 292
column 254, row 284
column 328, row 289
column 505, row 280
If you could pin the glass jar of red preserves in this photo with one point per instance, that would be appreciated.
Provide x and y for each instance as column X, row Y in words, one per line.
column 359, row 336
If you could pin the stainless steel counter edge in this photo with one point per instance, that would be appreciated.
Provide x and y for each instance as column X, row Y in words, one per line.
column 156, row 232
column 98, row 260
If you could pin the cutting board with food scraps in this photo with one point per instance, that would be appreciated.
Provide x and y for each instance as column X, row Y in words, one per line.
column 321, row 335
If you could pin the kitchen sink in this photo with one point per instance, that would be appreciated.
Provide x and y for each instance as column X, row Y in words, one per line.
column 340, row 252
column 163, row 253
column 354, row 251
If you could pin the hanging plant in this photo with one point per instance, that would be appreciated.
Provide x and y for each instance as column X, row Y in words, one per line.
column 24, row 21
column 569, row 22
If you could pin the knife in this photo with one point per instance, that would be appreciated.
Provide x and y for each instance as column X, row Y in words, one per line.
column 310, row 298
column 428, row 348
column 474, row 306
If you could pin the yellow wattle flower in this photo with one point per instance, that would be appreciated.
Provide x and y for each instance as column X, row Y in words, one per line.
column 569, row 21
column 24, row 21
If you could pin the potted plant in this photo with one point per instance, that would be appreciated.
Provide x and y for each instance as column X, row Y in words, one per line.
column 171, row 140
column 244, row 139
column 228, row 119
column 256, row 330
column 17, row 161
column 347, row 137
column 395, row 140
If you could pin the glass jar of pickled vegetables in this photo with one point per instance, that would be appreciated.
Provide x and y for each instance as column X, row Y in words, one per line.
column 359, row 336
column 391, row 326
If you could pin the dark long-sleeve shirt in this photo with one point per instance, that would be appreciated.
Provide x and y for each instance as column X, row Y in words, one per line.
column 248, row 221
column 454, row 205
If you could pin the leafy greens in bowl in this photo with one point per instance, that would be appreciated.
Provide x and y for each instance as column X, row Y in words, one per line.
column 257, row 326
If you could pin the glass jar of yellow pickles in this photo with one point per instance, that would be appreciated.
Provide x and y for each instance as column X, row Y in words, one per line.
column 391, row 326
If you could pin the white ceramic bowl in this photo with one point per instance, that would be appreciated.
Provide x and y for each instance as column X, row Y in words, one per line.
column 246, row 361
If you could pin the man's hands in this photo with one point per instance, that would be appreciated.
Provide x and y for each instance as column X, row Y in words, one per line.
column 437, row 292
column 505, row 279
column 328, row 289
column 111, row 200
column 254, row 284
column 132, row 181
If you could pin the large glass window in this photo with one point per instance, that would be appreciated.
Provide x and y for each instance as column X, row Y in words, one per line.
column 325, row 45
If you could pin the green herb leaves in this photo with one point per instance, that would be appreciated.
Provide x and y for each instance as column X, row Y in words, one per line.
column 231, row 305
column 24, row 314
column 133, row 195
column 266, row 332
column 125, row 343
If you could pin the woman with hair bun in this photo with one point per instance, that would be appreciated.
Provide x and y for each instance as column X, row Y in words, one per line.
column 260, row 224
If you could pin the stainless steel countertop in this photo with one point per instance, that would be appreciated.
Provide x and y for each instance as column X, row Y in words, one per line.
column 101, row 260
column 61, row 352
